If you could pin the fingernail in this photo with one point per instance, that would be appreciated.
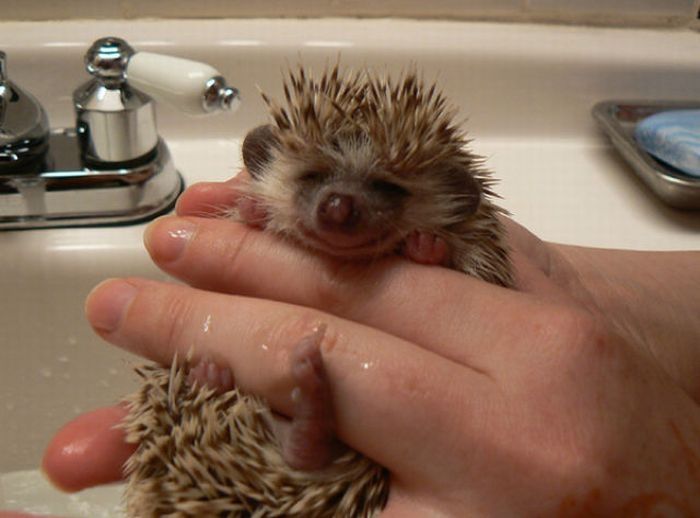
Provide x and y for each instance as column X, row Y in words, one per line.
column 106, row 304
column 166, row 238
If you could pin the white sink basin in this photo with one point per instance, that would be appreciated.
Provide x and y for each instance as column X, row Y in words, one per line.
column 527, row 91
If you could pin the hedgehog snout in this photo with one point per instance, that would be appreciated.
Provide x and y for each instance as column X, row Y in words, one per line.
column 339, row 212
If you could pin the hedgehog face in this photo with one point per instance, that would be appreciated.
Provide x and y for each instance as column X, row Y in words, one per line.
column 336, row 198
column 355, row 163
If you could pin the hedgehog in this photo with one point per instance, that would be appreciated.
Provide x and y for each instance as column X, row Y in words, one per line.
column 202, row 452
column 356, row 166
column 359, row 166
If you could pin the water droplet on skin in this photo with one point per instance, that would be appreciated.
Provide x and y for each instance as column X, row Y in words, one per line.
column 180, row 234
column 265, row 347
column 207, row 324
column 366, row 365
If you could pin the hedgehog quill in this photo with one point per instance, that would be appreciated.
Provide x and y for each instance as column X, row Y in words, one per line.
column 356, row 166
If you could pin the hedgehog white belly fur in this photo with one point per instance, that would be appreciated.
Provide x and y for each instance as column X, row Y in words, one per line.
column 397, row 163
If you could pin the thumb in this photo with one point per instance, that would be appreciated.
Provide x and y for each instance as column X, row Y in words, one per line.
column 88, row 451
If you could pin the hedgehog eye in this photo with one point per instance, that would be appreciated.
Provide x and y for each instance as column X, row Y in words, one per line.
column 310, row 177
column 335, row 144
column 388, row 188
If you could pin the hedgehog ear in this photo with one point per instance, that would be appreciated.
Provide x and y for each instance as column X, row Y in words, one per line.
column 258, row 146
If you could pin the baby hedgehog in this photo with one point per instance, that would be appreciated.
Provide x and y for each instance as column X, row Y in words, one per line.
column 360, row 166
column 355, row 166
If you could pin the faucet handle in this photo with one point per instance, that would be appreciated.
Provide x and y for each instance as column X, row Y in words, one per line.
column 195, row 88
column 115, row 115
column 107, row 59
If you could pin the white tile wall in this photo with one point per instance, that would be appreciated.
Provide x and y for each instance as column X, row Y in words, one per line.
column 611, row 12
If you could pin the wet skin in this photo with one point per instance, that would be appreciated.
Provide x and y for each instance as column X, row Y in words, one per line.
column 572, row 396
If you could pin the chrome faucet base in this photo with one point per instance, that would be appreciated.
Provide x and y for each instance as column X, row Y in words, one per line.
column 112, row 168
column 68, row 193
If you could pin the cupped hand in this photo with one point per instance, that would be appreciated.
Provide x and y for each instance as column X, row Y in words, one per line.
column 479, row 400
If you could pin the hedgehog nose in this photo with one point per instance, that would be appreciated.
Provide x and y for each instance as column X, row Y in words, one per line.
column 338, row 211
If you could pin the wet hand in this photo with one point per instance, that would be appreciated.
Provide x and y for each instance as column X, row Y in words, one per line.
column 476, row 398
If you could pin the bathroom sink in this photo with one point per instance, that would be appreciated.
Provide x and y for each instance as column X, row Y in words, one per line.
column 525, row 90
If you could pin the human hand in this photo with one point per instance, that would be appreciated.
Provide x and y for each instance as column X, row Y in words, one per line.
column 479, row 400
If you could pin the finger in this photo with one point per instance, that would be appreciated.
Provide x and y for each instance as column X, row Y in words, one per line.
column 229, row 257
column 530, row 278
column 534, row 264
column 88, row 451
column 210, row 199
column 529, row 254
column 527, row 243
column 381, row 385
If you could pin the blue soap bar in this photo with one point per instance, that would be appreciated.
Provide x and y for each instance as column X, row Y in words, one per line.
column 673, row 137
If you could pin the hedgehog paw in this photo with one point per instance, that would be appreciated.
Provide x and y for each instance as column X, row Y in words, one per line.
column 425, row 248
column 309, row 442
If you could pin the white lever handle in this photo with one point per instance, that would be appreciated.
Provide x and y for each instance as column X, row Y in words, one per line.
column 195, row 88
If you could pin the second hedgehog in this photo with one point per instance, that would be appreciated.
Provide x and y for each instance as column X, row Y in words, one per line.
column 356, row 166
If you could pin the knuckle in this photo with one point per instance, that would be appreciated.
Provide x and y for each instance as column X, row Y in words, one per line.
column 573, row 341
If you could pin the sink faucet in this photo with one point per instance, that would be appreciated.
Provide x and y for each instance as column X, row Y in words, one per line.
column 112, row 167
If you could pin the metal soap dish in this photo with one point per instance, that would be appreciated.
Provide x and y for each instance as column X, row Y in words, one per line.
column 618, row 119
